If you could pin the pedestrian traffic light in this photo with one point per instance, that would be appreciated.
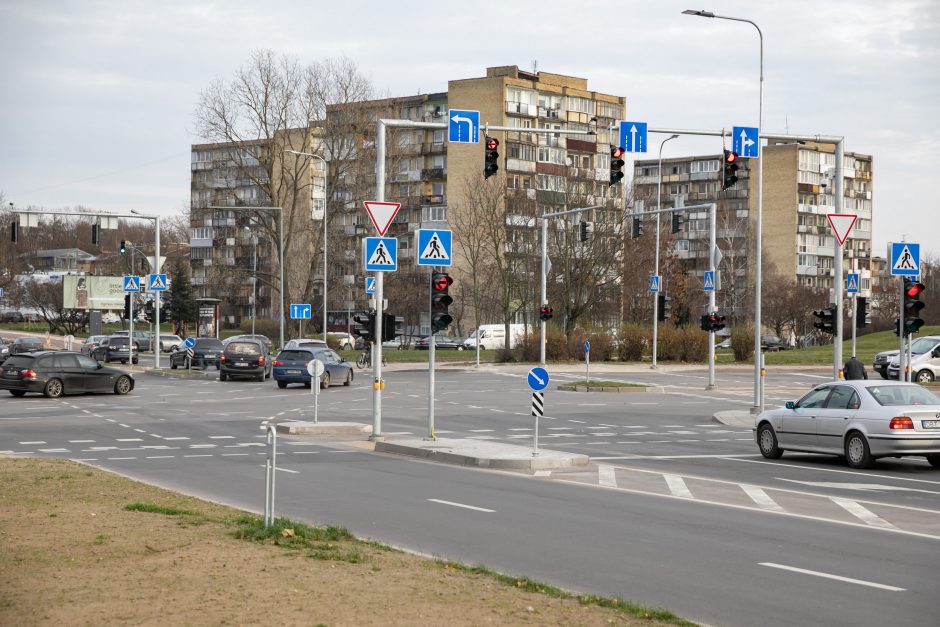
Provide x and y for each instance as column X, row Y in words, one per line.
column 13, row 230
column 616, row 164
column 861, row 312
column 149, row 310
column 94, row 233
column 664, row 305
column 388, row 327
column 587, row 231
column 712, row 322
column 676, row 222
column 440, row 301
column 827, row 320
column 545, row 312
column 490, row 157
column 364, row 326
column 912, row 306
column 730, row 170
column 637, row 228
column 127, row 306
column 123, row 247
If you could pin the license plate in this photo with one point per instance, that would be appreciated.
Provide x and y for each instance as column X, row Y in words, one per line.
column 293, row 372
column 931, row 424
column 241, row 363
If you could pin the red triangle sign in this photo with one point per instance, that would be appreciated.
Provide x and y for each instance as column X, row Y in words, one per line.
column 841, row 224
column 381, row 213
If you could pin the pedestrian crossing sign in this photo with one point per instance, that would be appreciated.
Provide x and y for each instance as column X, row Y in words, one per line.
column 131, row 283
column 654, row 283
column 380, row 254
column 851, row 283
column 434, row 246
column 905, row 259
column 156, row 283
column 709, row 281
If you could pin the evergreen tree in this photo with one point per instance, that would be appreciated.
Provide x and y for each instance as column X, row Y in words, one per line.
column 179, row 301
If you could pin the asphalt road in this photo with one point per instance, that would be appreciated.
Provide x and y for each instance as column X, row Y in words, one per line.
column 675, row 510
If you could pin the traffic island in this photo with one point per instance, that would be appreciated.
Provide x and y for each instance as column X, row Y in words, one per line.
column 177, row 374
column 607, row 386
column 483, row 454
column 304, row 427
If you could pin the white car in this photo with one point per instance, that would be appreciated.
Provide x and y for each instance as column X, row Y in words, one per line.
column 860, row 420
column 925, row 360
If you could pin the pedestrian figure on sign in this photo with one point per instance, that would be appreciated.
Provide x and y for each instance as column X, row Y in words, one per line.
column 436, row 252
column 854, row 369
column 380, row 256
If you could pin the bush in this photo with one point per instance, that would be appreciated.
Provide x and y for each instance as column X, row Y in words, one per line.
column 693, row 344
column 528, row 347
column 269, row 328
column 633, row 340
column 668, row 344
column 556, row 345
column 742, row 342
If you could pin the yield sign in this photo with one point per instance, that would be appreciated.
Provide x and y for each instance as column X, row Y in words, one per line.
column 841, row 224
column 381, row 213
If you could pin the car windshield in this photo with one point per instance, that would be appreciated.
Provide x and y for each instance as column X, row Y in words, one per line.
column 19, row 361
column 896, row 395
column 208, row 343
column 923, row 345
column 243, row 348
column 118, row 341
column 472, row 333
column 292, row 355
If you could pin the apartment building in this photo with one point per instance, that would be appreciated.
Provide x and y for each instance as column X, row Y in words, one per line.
column 797, row 239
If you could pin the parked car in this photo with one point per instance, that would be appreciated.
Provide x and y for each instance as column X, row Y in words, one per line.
column 26, row 344
column 492, row 336
column 772, row 343
column 116, row 348
column 91, row 344
column 54, row 373
column 245, row 358
column 290, row 366
column 882, row 359
column 11, row 316
column 725, row 343
column 206, row 353
column 143, row 339
column 398, row 344
column 925, row 360
column 442, row 342
column 268, row 344
column 861, row 420
column 305, row 343
column 169, row 342
column 345, row 341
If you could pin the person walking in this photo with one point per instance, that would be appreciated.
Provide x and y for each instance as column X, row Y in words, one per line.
column 854, row 369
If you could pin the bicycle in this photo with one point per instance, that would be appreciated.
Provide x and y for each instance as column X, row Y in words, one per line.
column 365, row 359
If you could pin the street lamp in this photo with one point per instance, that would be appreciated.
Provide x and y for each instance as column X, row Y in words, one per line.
column 325, row 199
column 659, row 205
column 156, row 270
column 254, row 279
column 758, row 384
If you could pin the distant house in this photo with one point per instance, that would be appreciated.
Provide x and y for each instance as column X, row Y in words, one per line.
column 64, row 260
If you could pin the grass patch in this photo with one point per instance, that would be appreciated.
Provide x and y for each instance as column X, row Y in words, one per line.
column 600, row 383
column 153, row 508
column 866, row 347
column 531, row 585
column 324, row 543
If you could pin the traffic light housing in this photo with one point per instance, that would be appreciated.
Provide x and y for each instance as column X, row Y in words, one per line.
column 665, row 304
column 440, row 301
column 388, row 327
column 912, row 306
column 827, row 320
column 676, row 222
column 13, row 232
column 729, row 170
column 712, row 322
column 364, row 326
column 123, row 247
column 586, row 231
column 545, row 312
column 127, row 306
column 149, row 310
column 637, row 228
column 861, row 312
column 490, row 157
column 616, row 164
column 94, row 234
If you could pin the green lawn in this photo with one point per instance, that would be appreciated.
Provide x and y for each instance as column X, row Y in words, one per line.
column 866, row 348
column 413, row 356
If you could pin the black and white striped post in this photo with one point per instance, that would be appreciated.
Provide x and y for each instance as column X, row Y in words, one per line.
column 538, row 381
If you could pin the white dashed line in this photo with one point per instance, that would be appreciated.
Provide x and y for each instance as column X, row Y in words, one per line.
column 816, row 573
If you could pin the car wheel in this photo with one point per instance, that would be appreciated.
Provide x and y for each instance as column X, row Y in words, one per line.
column 282, row 384
column 260, row 377
column 460, row 348
column 924, row 376
column 17, row 392
column 325, row 383
column 884, row 375
column 223, row 376
column 349, row 378
column 136, row 361
column 767, row 442
column 857, row 452
column 122, row 386
column 53, row 389
column 934, row 460
column 172, row 365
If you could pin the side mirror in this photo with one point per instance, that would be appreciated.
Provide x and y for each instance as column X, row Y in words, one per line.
column 790, row 405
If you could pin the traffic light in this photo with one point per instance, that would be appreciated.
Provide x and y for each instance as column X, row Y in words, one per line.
column 616, row 164
column 637, row 228
column 545, row 312
column 713, row 322
column 676, row 222
column 861, row 312
column 440, row 301
column 730, row 170
column 912, row 306
column 490, row 157
column 127, row 306
column 827, row 320
column 587, row 231
column 13, row 231
column 94, row 233
column 388, row 327
column 123, row 247
column 149, row 310
column 364, row 326
column 665, row 304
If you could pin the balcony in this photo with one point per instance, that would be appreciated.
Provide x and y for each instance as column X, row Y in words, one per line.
column 429, row 174
column 434, row 148
column 521, row 108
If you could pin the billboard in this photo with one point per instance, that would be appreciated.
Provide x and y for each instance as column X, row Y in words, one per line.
column 92, row 292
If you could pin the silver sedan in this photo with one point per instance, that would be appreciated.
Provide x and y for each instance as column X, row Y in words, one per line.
column 860, row 420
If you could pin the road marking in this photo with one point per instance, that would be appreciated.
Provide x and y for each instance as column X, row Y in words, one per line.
column 53, row 450
column 518, row 429
column 34, row 442
column 221, row 437
column 128, row 440
column 859, row 486
column 581, row 422
column 865, row 515
column 816, row 573
column 235, row 454
column 81, row 441
column 100, row 448
column 288, row 470
column 140, row 430
column 180, row 437
column 606, row 476
column 479, row 509
column 202, row 446
column 501, row 411
column 847, row 472
column 760, row 497
column 480, row 430
column 160, row 457
column 116, row 458
column 197, row 455
column 121, row 424
column 726, row 456
column 677, row 486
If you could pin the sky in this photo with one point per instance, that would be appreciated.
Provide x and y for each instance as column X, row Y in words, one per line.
column 97, row 97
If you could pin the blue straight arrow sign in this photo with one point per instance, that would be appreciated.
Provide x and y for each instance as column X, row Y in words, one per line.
column 745, row 140
column 633, row 136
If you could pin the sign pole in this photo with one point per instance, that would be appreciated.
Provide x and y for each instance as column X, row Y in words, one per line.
column 713, row 231
column 854, row 320
column 431, row 355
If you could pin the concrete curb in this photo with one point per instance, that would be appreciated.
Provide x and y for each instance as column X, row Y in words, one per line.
column 734, row 418
column 615, row 389
column 174, row 375
column 299, row 427
column 482, row 454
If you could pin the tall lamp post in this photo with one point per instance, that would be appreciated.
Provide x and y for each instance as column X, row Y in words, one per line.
column 659, row 205
column 254, row 279
column 758, row 383
column 325, row 199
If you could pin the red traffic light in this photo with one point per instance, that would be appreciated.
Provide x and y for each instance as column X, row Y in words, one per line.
column 914, row 289
column 616, row 152
column 492, row 143
column 730, row 156
column 442, row 282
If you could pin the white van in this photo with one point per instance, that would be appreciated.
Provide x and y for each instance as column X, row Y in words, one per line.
column 492, row 336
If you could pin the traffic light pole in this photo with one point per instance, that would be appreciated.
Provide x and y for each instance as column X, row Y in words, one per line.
column 431, row 353
column 902, row 352
column 713, row 244
column 837, row 278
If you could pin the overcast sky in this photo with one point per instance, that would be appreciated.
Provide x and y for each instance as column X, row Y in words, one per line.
column 97, row 97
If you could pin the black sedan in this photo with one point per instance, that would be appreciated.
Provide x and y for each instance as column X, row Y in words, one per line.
column 26, row 345
column 207, row 352
column 116, row 348
column 54, row 373
column 442, row 342
column 290, row 366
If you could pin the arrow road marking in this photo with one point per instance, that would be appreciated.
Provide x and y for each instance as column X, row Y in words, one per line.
column 816, row 573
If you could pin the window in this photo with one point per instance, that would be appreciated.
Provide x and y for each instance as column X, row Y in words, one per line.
column 609, row 110
column 580, row 105
column 434, row 214
column 84, row 361
column 552, row 155
column 549, row 182
column 438, row 136
column 816, row 398
column 704, row 166
column 843, row 397
column 522, row 151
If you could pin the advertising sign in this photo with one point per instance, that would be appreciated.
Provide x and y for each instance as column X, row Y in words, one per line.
column 92, row 292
